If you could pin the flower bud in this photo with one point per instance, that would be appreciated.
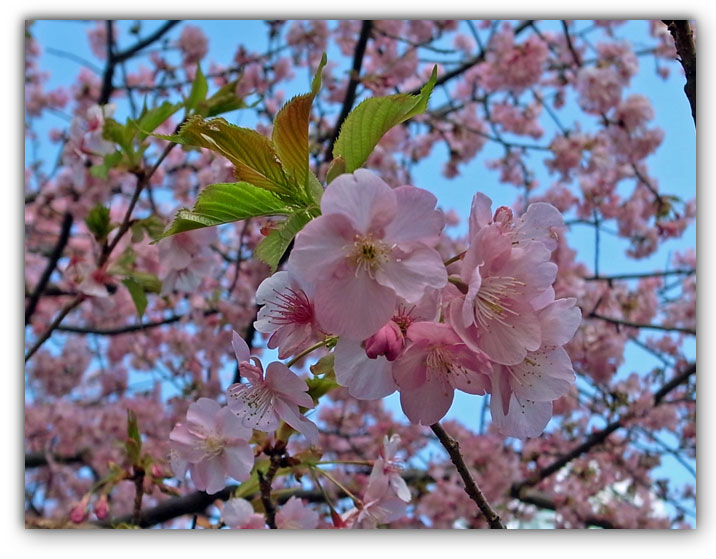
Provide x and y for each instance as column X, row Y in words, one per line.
column 387, row 341
column 101, row 508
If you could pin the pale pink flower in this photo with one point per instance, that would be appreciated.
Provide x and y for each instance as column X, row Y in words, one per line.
column 294, row 515
column 371, row 245
column 287, row 314
column 271, row 397
column 435, row 364
column 193, row 44
column 387, row 465
column 522, row 394
column 186, row 259
column 239, row 514
column 366, row 368
column 211, row 444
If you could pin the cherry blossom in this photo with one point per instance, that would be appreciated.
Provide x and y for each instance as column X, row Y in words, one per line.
column 371, row 244
column 294, row 515
column 270, row 397
column 211, row 445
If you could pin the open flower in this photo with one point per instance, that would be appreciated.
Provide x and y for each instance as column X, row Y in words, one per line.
column 435, row 364
column 522, row 394
column 371, row 245
column 287, row 314
column 211, row 445
column 239, row 514
column 294, row 515
column 366, row 368
column 186, row 259
column 269, row 397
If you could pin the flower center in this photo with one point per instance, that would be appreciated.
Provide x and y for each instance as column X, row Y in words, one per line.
column 291, row 307
column 368, row 254
column 493, row 300
column 213, row 446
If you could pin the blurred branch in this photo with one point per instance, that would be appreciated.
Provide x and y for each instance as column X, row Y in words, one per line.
column 629, row 324
column 53, row 259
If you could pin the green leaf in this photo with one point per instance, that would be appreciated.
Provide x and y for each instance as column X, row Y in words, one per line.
column 152, row 118
column 122, row 135
column 110, row 160
column 136, row 290
column 290, row 130
column 224, row 100
column 272, row 248
column 199, row 89
column 335, row 169
column 224, row 203
column 319, row 386
column 369, row 121
column 97, row 221
column 134, row 439
column 152, row 226
column 253, row 155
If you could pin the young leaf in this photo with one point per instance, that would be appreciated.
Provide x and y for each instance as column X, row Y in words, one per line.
column 134, row 439
column 272, row 248
column 224, row 100
column 198, row 92
column 369, row 121
column 224, row 203
column 253, row 155
column 290, row 131
column 97, row 221
column 138, row 295
column 152, row 118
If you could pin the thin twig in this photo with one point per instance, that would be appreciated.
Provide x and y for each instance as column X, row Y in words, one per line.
column 471, row 488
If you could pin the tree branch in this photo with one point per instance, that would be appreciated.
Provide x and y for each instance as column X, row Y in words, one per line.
column 350, row 97
column 53, row 259
column 680, row 30
column 471, row 488
column 629, row 324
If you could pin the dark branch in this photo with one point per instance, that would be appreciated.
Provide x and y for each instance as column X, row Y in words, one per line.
column 54, row 258
column 629, row 324
column 471, row 488
column 350, row 97
column 680, row 30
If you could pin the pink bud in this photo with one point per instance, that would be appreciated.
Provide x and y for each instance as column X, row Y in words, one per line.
column 101, row 507
column 387, row 341
column 79, row 512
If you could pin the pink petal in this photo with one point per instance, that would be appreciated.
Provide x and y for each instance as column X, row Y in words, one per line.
column 480, row 213
column 238, row 461
column 291, row 416
column 430, row 402
column 321, row 246
column 524, row 418
column 541, row 222
column 353, row 306
column 363, row 198
column 203, row 412
column 560, row 321
column 366, row 379
column 416, row 220
column 409, row 370
column 543, row 376
column 288, row 385
column 410, row 275
column 241, row 348
column 208, row 475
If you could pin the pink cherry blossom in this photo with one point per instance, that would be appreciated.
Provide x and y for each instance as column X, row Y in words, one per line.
column 287, row 314
column 371, row 245
column 294, row 515
column 366, row 368
column 271, row 397
column 186, row 258
column 239, row 514
column 435, row 364
column 211, row 444
column 522, row 394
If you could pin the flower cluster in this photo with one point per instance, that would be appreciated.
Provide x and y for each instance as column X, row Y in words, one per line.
column 367, row 271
